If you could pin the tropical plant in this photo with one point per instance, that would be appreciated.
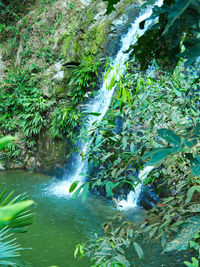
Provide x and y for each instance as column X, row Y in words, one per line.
column 120, row 140
column 65, row 119
column 15, row 214
column 83, row 79
column 174, row 34
column 160, row 128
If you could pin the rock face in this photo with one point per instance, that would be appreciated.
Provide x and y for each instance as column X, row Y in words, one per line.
column 50, row 37
column 148, row 198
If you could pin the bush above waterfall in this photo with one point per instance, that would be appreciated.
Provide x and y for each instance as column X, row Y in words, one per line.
column 175, row 34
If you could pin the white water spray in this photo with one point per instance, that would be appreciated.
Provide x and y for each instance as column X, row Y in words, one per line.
column 101, row 103
column 131, row 201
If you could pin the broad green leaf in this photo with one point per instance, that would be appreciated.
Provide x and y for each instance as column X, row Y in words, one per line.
column 131, row 183
column 124, row 142
column 85, row 192
column 196, row 131
column 132, row 148
column 191, row 192
column 4, row 141
column 76, row 251
column 195, row 263
column 175, row 12
column 187, row 231
column 194, row 208
column 109, row 187
column 163, row 240
column 192, row 51
column 112, row 82
column 170, row 136
column 134, row 178
column 73, row 186
column 94, row 114
column 195, row 165
column 138, row 250
column 122, row 259
column 159, row 155
column 151, row 153
column 130, row 232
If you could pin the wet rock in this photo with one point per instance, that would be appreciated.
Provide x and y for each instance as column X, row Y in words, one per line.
column 118, row 121
column 2, row 167
column 148, row 198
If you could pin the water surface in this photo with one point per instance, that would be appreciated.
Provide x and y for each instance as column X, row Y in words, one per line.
column 61, row 223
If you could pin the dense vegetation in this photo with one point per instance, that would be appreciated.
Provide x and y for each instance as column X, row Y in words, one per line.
column 174, row 36
column 15, row 214
column 163, row 119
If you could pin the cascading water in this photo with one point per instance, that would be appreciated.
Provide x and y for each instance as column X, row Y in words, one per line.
column 132, row 197
column 101, row 103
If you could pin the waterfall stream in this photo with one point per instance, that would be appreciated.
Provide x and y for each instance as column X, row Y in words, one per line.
column 100, row 104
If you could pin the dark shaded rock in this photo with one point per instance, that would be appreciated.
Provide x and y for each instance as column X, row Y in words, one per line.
column 71, row 64
column 148, row 198
column 118, row 121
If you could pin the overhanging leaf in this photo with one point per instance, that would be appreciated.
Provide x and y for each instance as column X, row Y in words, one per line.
column 76, row 193
column 138, row 250
column 191, row 192
column 170, row 136
column 122, row 259
column 109, row 187
column 158, row 154
column 175, row 12
column 85, row 192
column 73, row 186
column 195, row 165
column 188, row 230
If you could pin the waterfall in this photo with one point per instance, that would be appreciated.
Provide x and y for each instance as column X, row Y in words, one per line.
column 132, row 197
column 101, row 102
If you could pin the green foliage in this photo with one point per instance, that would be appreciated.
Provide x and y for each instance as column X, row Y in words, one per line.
column 83, row 80
column 108, row 250
column 27, row 111
column 15, row 213
column 186, row 147
column 4, row 141
column 9, row 251
column 190, row 228
column 161, row 124
column 116, row 153
column 23, row 108
column 195, row 263
column 175, row 34
column 12, row 10
column 194, row 245
column 64, row 120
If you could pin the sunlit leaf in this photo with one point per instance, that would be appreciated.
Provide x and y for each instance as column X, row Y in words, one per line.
column 109, row 187
column 4, row 141
column 85, row 192
column 73, row 186
column 138, row 250
column 170, row 136
column 188, row 230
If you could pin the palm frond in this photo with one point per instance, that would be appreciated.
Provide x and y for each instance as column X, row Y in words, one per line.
column 9, row 250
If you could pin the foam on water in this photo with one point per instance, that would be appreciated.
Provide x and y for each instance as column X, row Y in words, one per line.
column 131, row 201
